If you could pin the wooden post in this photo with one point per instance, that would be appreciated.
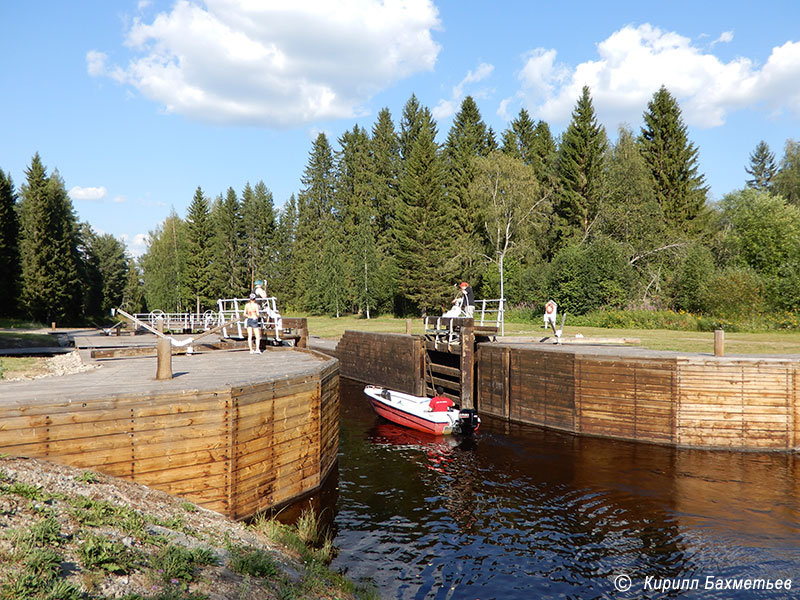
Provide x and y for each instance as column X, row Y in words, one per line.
column 160, row 324
column 506, row 366
column 467, row 364
column 164, row 350
column 408, row 326
column 53, row 325
column 719, row 342
column 303, row 331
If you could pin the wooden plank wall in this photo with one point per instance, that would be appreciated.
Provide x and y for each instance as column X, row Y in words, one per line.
column 693, row 401
column 233, row 451
column 736, row 403
column 391, row 360
column 624, row 397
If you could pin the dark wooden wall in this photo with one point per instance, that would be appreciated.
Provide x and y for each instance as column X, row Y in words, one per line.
column 666, row 398
column 392, row 360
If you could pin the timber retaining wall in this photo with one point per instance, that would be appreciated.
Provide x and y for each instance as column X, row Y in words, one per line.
column 635, row 394
column 233, row 448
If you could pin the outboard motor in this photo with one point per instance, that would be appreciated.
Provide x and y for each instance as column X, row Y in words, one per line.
column 468, row 420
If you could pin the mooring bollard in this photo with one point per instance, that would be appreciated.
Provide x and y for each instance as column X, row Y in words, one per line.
column 719, row 342
column 164, row 358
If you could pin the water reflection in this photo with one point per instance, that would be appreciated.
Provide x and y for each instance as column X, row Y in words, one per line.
column 520, row 512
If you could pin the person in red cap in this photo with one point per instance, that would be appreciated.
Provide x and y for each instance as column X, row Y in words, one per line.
column 468, row 306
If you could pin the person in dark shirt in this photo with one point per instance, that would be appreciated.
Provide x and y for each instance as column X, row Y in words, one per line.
column 440, row 402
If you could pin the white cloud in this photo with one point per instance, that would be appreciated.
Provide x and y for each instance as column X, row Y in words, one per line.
column 446, row 108
column 96, row 63
column 258, row 63
column 87, row 193
column 726, row 37
column 634, row 62
column 136, row 245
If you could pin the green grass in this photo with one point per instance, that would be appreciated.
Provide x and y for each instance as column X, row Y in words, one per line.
column 769, row 342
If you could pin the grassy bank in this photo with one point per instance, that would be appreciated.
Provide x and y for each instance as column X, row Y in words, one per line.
column 764, row 342
column 77, row 535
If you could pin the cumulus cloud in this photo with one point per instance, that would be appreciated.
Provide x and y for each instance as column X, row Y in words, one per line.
column 275, row 64
column 446, row 108
column 87, row 193
column 634, row 62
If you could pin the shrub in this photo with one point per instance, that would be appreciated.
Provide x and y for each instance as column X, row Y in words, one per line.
column 733, row 293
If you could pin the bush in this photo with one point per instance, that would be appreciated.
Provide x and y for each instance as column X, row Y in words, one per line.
column 694, row 273
column 734, row 293
column 584, row 278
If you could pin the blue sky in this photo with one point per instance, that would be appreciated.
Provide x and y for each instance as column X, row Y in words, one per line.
column 136, row 103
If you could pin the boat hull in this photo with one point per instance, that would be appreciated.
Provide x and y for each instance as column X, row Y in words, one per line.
column 413, row 412
column 406, row 419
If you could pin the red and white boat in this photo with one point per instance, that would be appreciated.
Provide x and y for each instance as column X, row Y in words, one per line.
column 414, row 412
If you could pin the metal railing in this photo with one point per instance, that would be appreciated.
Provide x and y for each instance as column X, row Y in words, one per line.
column 181, row 321
column 230, row 309
column 487, row 308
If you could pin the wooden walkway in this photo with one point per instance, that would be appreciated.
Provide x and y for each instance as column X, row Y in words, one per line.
column 120, row 377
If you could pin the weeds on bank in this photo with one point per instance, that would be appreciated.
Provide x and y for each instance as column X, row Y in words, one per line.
column 41, row 551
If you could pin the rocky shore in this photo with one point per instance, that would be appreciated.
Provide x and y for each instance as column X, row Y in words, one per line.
column 71, row 534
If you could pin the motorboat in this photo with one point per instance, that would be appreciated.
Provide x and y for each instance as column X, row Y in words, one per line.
column 414, row 412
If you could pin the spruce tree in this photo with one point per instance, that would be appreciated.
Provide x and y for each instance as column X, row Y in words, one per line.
column 112, row 265
column 229, row 271
column 580, row 171
column 258, row 221
column 51, row 286
column 356, row 195
column 673, row 159
column 762, row 168
column 198, row 282
column 467, row 140
column 315, row 205
column 9, row 247
column 283, row 277
column 411, row 121
column 519, row 138
column 423, row 228
column 385, row 154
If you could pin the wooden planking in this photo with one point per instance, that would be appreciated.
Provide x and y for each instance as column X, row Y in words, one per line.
column 736, row 404
column 385, row 359
column 687, row 400
column 625, row 397
column 208, row 446
column 492, row 379
column 542, row 388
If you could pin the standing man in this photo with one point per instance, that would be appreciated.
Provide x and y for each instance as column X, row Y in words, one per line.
column 251, row 322
column 468, row 306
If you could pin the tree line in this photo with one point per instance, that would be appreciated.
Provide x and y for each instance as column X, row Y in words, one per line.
column 390, row 219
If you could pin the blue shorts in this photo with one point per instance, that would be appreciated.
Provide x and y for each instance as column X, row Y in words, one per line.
column 251, row 323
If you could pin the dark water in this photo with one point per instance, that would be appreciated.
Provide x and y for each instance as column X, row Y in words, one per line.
column 520, row 512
